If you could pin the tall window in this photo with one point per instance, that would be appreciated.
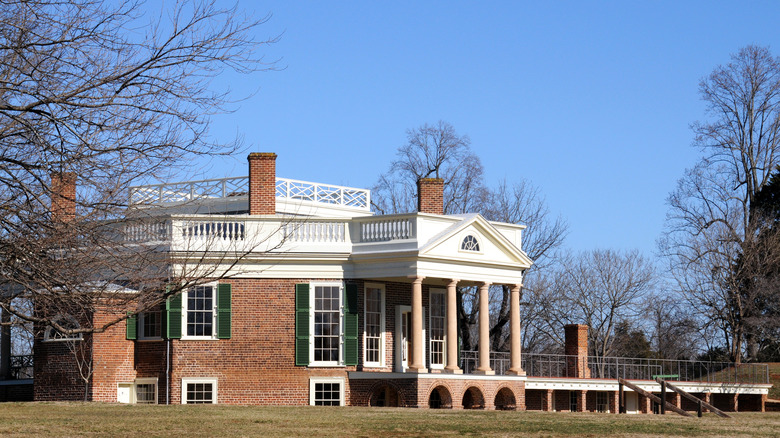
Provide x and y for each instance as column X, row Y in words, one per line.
column 327, row 323
column 200, row 311
column 437, row 322
column 374, row 316
column 602, row 402
column 150, row 325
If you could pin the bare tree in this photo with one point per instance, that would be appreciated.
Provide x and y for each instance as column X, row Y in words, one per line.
column 600, row 288
column 712, row 223
column 95, row 95
column 431, row 151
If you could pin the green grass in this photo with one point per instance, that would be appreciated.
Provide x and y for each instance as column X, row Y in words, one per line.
column 99, row 419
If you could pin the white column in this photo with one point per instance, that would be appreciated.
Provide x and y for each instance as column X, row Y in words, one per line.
column 417, row 361
column 452, row 329
column 484, row 331
column 515, row 366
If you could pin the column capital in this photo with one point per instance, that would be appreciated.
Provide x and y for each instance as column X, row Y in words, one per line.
column 416, row 278
column 453, row 282
column 486, row 284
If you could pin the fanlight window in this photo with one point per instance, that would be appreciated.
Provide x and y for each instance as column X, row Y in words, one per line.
column 470, row 243
column 67, row 322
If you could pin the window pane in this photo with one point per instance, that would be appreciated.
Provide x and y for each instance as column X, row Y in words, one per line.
column 373, row 324
column 327, row 394
column 437, row 322
column 146, row 393
column 327, row 328
column 200, row 393
column 200, row 308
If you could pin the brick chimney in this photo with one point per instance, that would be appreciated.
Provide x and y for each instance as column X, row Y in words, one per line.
column 262, row 183
column 63, row 196
column 577, row 351
column 430, row 195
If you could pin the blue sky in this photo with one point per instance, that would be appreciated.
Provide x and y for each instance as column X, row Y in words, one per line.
column 590, row 101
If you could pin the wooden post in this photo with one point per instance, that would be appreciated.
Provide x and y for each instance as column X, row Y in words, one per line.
column 621, row 399
column 698, row 411
column 663, row 397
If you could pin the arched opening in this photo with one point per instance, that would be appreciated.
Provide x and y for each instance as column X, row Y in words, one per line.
column 473, row 399
column 505, row 400
column 440, row 398
column 384, row 396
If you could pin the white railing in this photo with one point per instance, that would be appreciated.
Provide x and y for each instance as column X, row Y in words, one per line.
column 189, row 190
column 315, row 232
column 146, row 231
column 214, row 230
column 322, row 193
column 382, row 230
column 155, row 194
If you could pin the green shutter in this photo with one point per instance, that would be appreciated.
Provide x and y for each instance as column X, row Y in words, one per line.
column 173, row 315
column 351, row 325
column 302, row 324
column 223, row 311
column 132, row 326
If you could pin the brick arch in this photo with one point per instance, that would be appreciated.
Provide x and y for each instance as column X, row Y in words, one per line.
column 385, row 394
column 439, row 397
column 473, row 398
column 505, row 399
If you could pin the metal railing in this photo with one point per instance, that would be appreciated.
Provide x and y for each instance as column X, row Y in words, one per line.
column 187, row 191
column 560, row 365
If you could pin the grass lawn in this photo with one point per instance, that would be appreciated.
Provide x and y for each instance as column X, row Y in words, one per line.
column 100, row 419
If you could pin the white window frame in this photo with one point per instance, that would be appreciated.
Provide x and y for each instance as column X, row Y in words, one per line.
column 144, row 381
column 48, row 332
column 477, row 237
column 133, row 387
column 140, row 327
column 187, row 380
column 382, row 360
column 313, row 381
column 440, row 366
column 185, row 311
column 312, row 311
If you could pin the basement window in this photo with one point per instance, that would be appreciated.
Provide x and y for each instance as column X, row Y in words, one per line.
column 326, row 391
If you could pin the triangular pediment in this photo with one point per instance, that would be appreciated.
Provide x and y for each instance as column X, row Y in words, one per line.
column 474, row 239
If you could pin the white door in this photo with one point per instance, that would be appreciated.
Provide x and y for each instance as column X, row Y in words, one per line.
column 632, row 402
column 123, row 392
column 403, row 324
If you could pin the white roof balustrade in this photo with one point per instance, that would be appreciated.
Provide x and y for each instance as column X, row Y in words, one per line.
column 230, row 195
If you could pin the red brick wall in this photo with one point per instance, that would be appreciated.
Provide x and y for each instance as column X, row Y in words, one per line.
column 430, row 195
column 56, row 374
column 113, row 358
column 262, row 183
column 576, row 344
column 257, row 365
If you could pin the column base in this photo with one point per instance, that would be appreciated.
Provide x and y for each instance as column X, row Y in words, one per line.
column 484, row 372
column 512, row 372
column 453, row 370
column 417, row 370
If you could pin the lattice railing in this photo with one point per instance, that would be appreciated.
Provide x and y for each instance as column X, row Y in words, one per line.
column 322, row 193
column 187, row 191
